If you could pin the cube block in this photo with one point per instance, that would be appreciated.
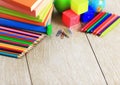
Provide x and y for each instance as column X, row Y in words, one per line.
column 69, row 18
column 79, row 6
column 87, row 16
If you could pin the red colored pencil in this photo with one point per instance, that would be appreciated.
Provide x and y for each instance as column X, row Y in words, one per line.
column 105, row 24
column 87, row 26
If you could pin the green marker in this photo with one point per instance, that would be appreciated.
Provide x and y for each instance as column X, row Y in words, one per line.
column 111, row 27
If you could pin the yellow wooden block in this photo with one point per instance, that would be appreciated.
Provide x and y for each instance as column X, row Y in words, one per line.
column 79, row 6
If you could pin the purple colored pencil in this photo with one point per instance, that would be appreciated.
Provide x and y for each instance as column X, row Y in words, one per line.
column 15, row 35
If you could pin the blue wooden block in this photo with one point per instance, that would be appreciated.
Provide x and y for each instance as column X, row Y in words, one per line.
column 87, row 16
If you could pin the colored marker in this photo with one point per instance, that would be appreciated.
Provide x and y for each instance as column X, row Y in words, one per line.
column 14, row 51
column 111, row 27
column 98, row 22
column 105, row 24
column 24, row 26
column 94, row 20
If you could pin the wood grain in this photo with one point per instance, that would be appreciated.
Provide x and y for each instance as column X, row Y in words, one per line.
column 65, row 61
column 107, row 49
column 14, row 71
column 80, row 60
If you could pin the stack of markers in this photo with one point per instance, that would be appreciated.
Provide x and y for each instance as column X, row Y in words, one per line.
column 101, row 24
column 21, row 25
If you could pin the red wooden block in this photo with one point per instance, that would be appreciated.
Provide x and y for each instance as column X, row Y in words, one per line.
column 69, row 18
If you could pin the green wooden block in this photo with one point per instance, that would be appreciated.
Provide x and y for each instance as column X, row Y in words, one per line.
column 79, row 6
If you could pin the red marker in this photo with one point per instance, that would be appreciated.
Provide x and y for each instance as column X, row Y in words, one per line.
column 87, row 26
column 105, row 24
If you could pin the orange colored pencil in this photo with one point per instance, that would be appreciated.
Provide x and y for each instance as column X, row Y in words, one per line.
column 12, row 47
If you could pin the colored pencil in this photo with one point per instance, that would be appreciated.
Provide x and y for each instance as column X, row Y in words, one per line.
column 20, row 31
column 23, row 26
column 111, row 27
column 18, row 14
column 15, row 40
column 9, row 54
column 16, row 49
column 13, row 43
column 12, row 47
column 105, row 24
column 92, row 28
column 15, row 35
column 85, row 28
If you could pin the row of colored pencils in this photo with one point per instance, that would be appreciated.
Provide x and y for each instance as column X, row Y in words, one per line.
column 16, row 43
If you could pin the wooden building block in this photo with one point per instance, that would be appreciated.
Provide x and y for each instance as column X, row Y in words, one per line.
column 70, row 18
column 79, row 6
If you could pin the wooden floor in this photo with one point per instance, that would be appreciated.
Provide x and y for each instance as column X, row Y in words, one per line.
column 83, row 59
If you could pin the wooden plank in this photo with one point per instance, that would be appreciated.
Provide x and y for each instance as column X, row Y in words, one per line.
column 107, row 49
column 14, row 71
column 66, row 61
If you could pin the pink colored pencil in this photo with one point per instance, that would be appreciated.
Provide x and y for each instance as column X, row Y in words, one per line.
column 19, row 31
column 105, row 24
column 87, row 26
